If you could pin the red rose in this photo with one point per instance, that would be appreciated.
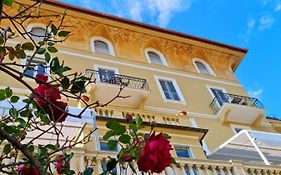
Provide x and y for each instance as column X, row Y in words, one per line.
column 57, row 115
column 40, row 78
column 127, row 157
column 155, row 156
column 47, row 92
column 23, row 170
column 61, row 163
column 129, row 117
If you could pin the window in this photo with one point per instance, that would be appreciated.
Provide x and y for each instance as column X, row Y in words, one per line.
column 183, row 152
column 155, row 57
column 220, row 95
column 104, row 146
column 102, row 46
column 37, row 66
column 38, row 33
column 107, row 76
column 169, row 90
column 203, row 67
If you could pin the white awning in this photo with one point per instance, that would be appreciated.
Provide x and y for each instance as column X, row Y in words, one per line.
column 251, row 146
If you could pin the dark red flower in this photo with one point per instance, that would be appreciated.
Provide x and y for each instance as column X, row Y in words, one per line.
column 56, row 114
column 23, row 170
column 127, row 157
column 61, row 163
column 40, row 78
column 45, row 91
column 129, row 116
column 155, row 156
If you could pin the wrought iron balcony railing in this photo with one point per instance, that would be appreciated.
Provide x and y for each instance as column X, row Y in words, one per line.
column 117, row 79
column 222, row 98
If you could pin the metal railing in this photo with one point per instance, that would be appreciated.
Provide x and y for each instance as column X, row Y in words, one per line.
column 117, row 79
column 222, row 98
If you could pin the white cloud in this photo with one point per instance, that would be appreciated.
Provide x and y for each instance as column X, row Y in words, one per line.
column 256, row 93
column 278, row 7
column 266, row 22
column 158, row 12
column 251, row 23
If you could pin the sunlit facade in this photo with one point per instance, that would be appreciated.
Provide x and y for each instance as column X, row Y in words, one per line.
column 167, row 74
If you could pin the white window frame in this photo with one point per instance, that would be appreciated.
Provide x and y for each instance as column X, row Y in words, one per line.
column 176, row 145
column 24, row 61
column 235, row 126
column 208, row 67
column 32, row 25
column 182, row 100
column 109, row 44
column 215, row 87
column 161, row 55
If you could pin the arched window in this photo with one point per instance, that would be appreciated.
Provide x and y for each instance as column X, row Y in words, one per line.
column 38, row 33
column 102, row 46
column 203, row 67
column 155, row 57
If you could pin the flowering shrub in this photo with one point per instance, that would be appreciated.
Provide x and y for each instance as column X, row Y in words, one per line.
column 151, row 152
column 24, row 170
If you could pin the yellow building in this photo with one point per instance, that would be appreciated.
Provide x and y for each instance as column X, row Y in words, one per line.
column 225, row 131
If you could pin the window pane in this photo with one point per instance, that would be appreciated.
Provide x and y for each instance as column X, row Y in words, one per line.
column 37, row 66
column 154, row 58
column 220, row 96
column 202, row 68
column 101, row 47
column 107, row 75
column 173, row 91
column 183, row 152
column 104, row 147
column 38, row 33
column 165, row 89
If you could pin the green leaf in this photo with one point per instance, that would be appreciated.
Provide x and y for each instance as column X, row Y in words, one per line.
column 50, row 146
column 27, row 46
column 42, row 152
column 166, row 136
column 7, row 148
column 31, row 148
column 1, row 40
column 2, row 94
column 65, row 83
column 8, row 2
column 174, row 161
column 112, row 144
column 13, row 112
column 25, row 113
column 111, row 124
column 52, row 49
column 47, row 57
column 21, row 122
column 124, row 138
column 88, row 171
column 108, row 134
column 51, row 43
column 41, row 50
column 63, row 33
column 78, row 87
column 111, row 164
column 9, row 92
column 54, row 29
column 21, row 54
column 138, row 120
column 15, row 99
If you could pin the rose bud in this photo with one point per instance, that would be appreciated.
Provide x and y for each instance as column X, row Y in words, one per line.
column 127, row 157
column 129, row 117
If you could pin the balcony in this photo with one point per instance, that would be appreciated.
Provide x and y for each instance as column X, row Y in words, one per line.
column 106, row 86
column 236, row 108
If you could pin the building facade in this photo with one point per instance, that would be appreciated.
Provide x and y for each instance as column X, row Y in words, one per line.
column 185, row 84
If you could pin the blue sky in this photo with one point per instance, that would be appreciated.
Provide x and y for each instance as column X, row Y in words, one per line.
column 252, row 24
